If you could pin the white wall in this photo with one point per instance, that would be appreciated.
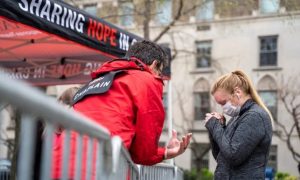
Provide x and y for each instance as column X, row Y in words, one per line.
column 235, row 46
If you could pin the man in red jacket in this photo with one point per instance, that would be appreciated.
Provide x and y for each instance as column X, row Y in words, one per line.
column 132, row 108
column 125, row 96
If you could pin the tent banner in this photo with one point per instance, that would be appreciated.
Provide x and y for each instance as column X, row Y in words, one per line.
column 50, row 72
column 59, row 18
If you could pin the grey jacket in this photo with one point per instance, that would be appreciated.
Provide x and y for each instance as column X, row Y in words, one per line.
column 241, row 148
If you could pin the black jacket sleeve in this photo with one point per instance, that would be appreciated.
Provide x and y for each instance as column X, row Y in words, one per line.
column 214, row 147
column 248, row 133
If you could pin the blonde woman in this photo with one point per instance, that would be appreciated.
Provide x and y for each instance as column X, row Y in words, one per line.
column 241, row 146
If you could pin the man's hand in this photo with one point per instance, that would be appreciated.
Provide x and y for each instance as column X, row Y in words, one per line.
column 176, row 147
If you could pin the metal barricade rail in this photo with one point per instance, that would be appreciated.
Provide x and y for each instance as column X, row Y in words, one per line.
column 112, row 161
column 160, row 171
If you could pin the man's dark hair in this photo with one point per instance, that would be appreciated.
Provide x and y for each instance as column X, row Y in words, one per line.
column 147, row 52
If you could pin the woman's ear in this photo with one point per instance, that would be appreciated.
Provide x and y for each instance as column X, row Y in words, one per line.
column 237, row 91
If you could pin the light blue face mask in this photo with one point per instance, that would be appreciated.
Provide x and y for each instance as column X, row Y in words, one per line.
column 230, row 109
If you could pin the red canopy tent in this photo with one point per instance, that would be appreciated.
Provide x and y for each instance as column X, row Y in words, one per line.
column 49, row 42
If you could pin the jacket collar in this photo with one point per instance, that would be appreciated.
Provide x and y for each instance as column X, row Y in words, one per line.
column 246, row 106
column 124, row 64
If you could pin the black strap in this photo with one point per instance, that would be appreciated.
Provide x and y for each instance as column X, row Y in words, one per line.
column 99, row 85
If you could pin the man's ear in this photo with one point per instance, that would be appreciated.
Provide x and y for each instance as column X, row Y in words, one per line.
column 153, row 65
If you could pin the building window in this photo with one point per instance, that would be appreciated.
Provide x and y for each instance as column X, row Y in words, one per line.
column 269, row 97
column 272, row 162
column 269, row 6
column 127, row 12
column 91, row 9
column 200, row 155
column 203, row 54
column 161, row 144
column 206, row 11
column 165, row 103
column 201, row 99
column 164, row 12
column 268, row 51
column 201, row 105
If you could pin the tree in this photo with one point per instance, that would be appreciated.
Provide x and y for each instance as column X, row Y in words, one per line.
column 3, row 133
column 289, row 129
column 12, row 145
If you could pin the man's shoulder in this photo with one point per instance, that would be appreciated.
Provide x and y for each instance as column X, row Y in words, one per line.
column 139, row 75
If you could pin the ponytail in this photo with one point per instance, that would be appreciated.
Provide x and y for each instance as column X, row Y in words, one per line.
column 239, row 79
column 253, row 93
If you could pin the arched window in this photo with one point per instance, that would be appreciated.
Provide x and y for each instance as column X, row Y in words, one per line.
column 201, row 99
column 267, row 90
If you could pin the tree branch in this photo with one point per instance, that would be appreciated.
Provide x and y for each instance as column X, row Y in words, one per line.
column 296, row 155
column 288, row 97
column 166, row 29
column 147, row 12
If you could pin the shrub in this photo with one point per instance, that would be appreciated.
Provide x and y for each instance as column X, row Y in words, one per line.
column 284, row 176
column 193, row 174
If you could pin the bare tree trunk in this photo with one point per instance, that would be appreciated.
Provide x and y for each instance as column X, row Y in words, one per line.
column 17, row 119
column 147, row 13
column 172, row 23
column 290, row 99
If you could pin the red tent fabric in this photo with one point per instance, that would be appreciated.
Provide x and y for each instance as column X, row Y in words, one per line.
column 49, row 42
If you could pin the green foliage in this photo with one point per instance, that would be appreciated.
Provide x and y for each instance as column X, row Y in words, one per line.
column 190, row 175
column 193, row 174
column 206, row 174
column 284, row 176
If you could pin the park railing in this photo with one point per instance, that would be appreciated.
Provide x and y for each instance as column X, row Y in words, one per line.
column 104, row 154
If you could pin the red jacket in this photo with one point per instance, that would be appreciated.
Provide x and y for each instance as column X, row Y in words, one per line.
column 132, row 109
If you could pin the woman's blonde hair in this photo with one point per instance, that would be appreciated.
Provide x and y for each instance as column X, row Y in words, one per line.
column 239, row 79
